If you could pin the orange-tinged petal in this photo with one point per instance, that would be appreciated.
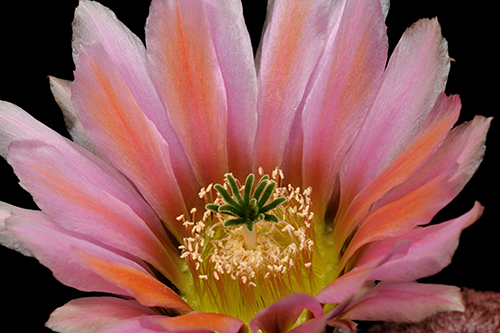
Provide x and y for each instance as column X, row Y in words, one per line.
column 440, row 120
column 143, row 287
column 87, row 315
column 195, row 321
column 290, row 50
column 127, row 138
column 96, row 24
column 235, row 58
column 342, row 94
column 184, row 65
column 416, row 208
column 407, row 302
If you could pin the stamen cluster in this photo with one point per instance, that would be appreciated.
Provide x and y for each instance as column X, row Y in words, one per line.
column 239, row 280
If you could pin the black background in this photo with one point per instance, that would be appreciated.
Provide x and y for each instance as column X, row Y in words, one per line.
column 36, row 43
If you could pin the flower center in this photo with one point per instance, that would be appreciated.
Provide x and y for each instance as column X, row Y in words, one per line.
column 250, row 248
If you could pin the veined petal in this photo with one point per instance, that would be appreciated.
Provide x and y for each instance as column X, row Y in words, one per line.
column 406, row 302
column 281, row 315
column 16, row 124
column 430, row 251
column 200, row 321
column 185, row 68
column 416, row 74
column 61, row 89
column 416, row 208
column 291, row 47
column 89, row 315
column 70, row 194
column 350, row 283
column 194, row 322
column 7, row 238
column 96, row 24
column 233, row 49
column 349, row 75
column 55, row 248
column 130, row 141
column 146, row 289
column 437, row 125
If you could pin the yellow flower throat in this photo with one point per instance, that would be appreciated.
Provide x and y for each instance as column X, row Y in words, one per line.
column 238, row 271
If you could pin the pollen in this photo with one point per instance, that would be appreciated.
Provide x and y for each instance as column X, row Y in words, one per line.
column 238, row 279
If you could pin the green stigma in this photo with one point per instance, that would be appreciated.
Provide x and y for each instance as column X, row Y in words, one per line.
column 249, row 208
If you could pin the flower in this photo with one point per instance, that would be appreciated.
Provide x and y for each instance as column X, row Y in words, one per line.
column 371, row 148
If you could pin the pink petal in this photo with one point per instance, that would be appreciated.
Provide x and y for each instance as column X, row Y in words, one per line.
column 415, row 76
column 291, row 47
column 200, row 322
column 7, row 238
column 430, row 251
column 61, row 89
column 96, row 24
column 93, row 313
column 349, row 76
column 194, row 322
column 16, row 124
column 281, row 315
column 319, row 324
column 416, row 208
column 351, row 282
column 55, row 248
column 145, row 288
column 462, row 147
column 129, row 140
column 78, row 197
column 406, row 302
column 184, row 66
column 438, row 123
column 235, row 58
column 472, row 152
column 134, row 325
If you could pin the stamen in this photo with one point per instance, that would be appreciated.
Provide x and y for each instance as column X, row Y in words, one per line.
column 242, row 266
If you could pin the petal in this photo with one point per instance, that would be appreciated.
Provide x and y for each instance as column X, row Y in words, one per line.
column 146, row 289
column 55, row 248
column 281, row 315
column 200, row 321
column 76, row 198
column 185, row 69
column 235, row 58
column 129, row 140
column 350, row 73
column 416, row 208
column 426, row 142
column 7, row 238
column 415, row 76
column 194, row 322
column 96, row 24
column 351, row 282
column 61, row 89
column 430, row 251
column 406, row 302
column 290, row 50
column 17, row 125
column 88, row 315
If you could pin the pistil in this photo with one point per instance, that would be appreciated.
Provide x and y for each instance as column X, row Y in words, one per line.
column 248, row 209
